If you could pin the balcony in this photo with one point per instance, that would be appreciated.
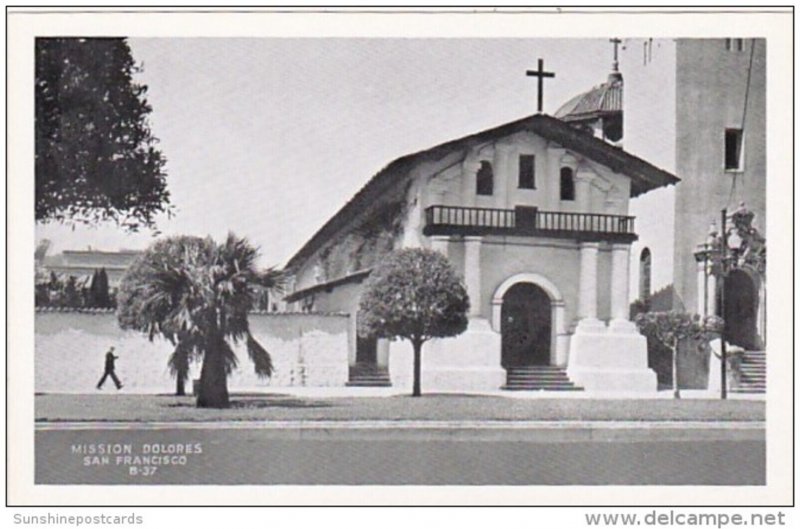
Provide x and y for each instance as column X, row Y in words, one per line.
column 528, row 222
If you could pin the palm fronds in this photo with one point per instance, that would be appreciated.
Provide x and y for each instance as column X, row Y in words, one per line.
column 260, row 357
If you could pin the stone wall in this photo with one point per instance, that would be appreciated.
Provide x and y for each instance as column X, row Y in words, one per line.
column 307, row 350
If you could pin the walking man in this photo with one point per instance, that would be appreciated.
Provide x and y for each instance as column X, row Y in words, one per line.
column 109, row 371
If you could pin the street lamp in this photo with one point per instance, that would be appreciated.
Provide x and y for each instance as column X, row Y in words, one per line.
column 738, row 247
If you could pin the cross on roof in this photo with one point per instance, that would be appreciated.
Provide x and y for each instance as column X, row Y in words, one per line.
column 541, row 74
column 616, row 42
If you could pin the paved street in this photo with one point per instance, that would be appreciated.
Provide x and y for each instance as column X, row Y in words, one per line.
column 405, row 453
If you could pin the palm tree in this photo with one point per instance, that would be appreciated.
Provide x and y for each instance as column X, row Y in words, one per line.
column 180, row 361
column 197, row 294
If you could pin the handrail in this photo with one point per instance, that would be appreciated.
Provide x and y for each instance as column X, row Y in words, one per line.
column 527, row 219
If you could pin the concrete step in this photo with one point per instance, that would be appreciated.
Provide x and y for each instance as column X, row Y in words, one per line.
column 368, row 375
column 362, row 384
column 542, row 388
column 548, row 376
column 753, row 370
column 535, row 371
column 538, row 378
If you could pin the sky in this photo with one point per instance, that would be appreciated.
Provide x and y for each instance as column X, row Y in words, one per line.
column 269, row 137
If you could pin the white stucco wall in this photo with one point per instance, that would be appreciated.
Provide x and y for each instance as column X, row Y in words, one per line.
column 306, row 349
column 608, row 192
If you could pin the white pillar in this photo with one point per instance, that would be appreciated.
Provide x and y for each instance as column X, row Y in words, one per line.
column 711, row 295
column 382, row 353
column 502, row 176
column 468, row 171
column 587, row 286
column 550, row 184
column 701, row 287
column 583, row 191
column 472, row 273
column 619, row 281
column 587, row 283
column 440, row 243
column 761, row 323
column 620, row 268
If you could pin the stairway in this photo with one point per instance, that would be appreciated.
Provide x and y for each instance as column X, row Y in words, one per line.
column 548, row 378
column 753, row 373
column 368, row 375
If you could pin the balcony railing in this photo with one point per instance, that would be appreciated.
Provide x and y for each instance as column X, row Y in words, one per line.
column 527, row 221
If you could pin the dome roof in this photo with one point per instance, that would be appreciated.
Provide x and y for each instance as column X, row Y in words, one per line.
column 599, row 101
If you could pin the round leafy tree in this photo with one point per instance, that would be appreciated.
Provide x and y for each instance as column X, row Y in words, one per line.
column 96, row 158
column 674, row 327
column 197, row 294
column 416, row 295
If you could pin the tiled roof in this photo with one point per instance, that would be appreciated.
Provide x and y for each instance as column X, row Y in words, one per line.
column 600, row 100
column 92, row 259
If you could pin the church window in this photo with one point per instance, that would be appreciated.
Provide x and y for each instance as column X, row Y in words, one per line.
column 485, row 179
column 567, row 184
column 733, row 149
column 734, row 44
column 527, row 171
column 645, row 265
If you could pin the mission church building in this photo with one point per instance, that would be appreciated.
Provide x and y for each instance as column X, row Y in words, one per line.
column 534, row 215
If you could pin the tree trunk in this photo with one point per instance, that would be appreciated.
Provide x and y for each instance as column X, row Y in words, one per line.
column 676, row 392
column 180, row 365
column 417, row 368
column 180, row 385
column 213, row 380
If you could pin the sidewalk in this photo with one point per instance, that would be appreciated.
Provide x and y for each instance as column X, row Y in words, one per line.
column 344, row 391
column 382, row 404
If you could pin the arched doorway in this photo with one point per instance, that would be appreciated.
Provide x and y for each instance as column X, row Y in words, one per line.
column 525, row 326
column 741, row 310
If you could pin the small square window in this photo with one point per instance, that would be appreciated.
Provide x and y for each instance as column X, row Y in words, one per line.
column 527, row 171
column 733, row 150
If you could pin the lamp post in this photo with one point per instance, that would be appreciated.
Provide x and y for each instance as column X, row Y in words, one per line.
column 723, row 257
column 747, row 249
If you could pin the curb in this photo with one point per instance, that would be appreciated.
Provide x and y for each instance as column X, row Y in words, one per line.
column 497, row 431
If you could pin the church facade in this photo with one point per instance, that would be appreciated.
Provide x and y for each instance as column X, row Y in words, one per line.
column 534, row 214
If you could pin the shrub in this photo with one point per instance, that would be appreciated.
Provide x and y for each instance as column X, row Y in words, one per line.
column 676, row 331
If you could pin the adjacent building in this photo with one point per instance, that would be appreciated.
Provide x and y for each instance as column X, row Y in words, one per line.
column 81, row 264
